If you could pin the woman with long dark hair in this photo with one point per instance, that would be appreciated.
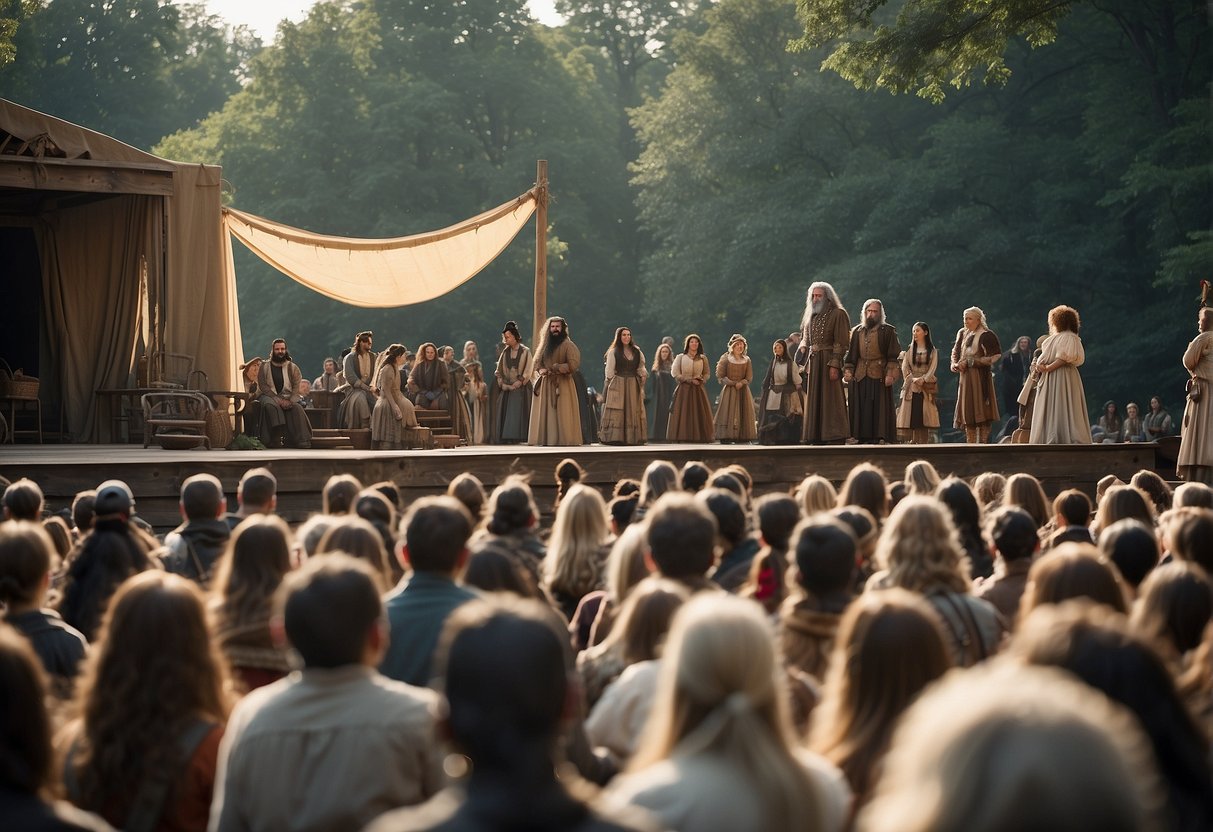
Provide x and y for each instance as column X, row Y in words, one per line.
column 623, row 418
column 393, row 413
column 918, row 413
column 662, row 391
column 691, row 413
column 151, row 708
column 780, row 399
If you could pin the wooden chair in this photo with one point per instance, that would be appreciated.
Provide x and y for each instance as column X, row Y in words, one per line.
column 179, row 413
column 174, row 371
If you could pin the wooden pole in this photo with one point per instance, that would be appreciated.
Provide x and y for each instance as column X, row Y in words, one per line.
column 541, row 249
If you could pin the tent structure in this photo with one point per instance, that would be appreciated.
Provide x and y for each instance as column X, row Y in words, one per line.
column 107, row 254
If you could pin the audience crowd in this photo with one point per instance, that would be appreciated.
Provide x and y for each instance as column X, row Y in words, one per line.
column 918, row 653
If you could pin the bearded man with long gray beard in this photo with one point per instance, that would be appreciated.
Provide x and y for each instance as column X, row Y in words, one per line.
column 556, row 410
column 871, row 366
column 825, row 333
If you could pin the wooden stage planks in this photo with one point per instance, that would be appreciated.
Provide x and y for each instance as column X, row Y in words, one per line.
column 155, row 475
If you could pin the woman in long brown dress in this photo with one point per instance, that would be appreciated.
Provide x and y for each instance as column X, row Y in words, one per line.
column 735, row 415
column 691, row 413
column 623, row 418
column 976, row 350
column 393, row 412
column 918, row 413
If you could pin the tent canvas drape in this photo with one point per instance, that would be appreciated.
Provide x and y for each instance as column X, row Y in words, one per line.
column 387, row 272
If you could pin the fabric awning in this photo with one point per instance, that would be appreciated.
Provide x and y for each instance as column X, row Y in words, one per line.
column 387, row 272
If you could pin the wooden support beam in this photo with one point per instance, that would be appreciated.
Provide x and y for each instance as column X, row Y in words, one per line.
column 83, row 175
column 541, row 250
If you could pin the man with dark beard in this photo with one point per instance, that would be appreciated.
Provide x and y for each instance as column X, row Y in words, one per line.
column 825, row 330
column 556, row 411
column 283, row 420
column 871, row 367
column 359, row 371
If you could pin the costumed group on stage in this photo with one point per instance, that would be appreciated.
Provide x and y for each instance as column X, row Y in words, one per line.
column 829, row 383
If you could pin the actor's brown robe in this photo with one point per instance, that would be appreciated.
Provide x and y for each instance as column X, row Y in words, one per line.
column 293, row 419
column 870, row 360
column 556, row 410
column 976, row 400
column 825, row 412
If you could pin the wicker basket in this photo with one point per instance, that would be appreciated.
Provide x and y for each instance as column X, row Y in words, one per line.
column 218, row 429
column 16, row 385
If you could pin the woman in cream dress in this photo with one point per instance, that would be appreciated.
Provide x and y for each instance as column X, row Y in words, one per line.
column 1060, row 414
column 393, row 412
column 918, row 413
column 691, row 413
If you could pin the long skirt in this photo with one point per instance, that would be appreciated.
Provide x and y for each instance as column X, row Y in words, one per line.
column 291, row 424
column 623, row 418
column 659, row 411
column 514, row 414
column 1059, row 416
column 690, row 415
column 871, row 406
column 355, row 410
column 735, row 416
column 385, row 427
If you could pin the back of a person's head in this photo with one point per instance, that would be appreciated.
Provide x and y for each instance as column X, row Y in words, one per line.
column 339, row 493
column 25, row 562
column 866, row 486
column 1175, row 605
column 626, row 487
column 1155, row 487
column 328, row 608
column 202, row 497
column 816, row 493
column 373, row 507
column 1133, row 547
column 82, row 510
column 776, row 516
column 621, row 511
column 862, row 523
column 505, row 680
column 1073, row 570
column 1188, row 533
column 920, row 548
column 574, row 560
column 625, row 563
column 1024, row 491
column 694, row 476
column 1014, row 532
column 730, row 515
column 469, row 490
column 490, row 569
column 742, row 474
column 435, row 530
column 257, row 557
column 511, row 507
column 681, row 536
column 725, row 480
column 1073, row 506
column 258, row 491
column 645, row 617
column 1121, row 502
column 824, row 551
column 390, row 492
column 25, row 726
column 921, row 477
column 961, row 502
column 23, row 500
column 312, row 530
column 356, row 537
column 1001, row 748
column 1194, row 494
column 988, row 488
column 659, row 478
column 57, row 530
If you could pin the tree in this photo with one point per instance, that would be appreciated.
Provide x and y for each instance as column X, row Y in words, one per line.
column 12, row 13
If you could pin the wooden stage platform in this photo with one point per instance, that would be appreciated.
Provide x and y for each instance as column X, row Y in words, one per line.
column 155, row 475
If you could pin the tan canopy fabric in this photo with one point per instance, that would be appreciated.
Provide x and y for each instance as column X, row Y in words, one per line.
column 389, row 272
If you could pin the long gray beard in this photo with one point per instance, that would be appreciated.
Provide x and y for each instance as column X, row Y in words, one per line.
column 819, row 306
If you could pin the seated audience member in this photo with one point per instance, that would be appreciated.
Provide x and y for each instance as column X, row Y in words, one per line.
column 491, row 571
column 111, row 553
column 567, row 474
column 921, row 478
column 1120, row 502
column 312, row 531
column 694, row 476
column 152, row 702
column 660, row 477
column 1133, row 548
column 577, row 549
column 1098, row 647
column 866, row 487
column 305, row 393
column 23, row 501
column 718, row 753
column 1188, row 535
column 777, row 516
column 1071, row 514
column 1014, row 534
column 823, row 550
column 1133, row 429
column 60, row 535
column 257, row 493
column 626, row 567
column 429, row 380
column 989, row 488
column 433, row 542
column 1005, row 747
column 25, row 573
column 1110, row 426
column 1024, row 491
column 339, row 493
column 330, row 379
column 28, row 762
column 890, row 647
column 815, row 494
column 507, row 696
column 968, row 518
column 1106, row 482
column 738, row 547
column 1073, row 570
column 1157, row 421
column 1173, row 609
column 623, row 512
column 82, row 513
column 681, row 538
column 356, row 537
column 195, row 545
column 336, row 744
column 863, row 524
column 373, row 507
column 1193, row 494
column 920, row 551
column 257, row 558
column 511, row 527
column 1154, row 487
column 469, row 490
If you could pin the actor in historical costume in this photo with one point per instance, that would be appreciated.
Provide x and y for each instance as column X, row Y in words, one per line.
column 623, row 417
column 691, row 412
column 918, row 414
column 1059, row 416
column 1013, row 371
column 1196, row 445
column 305, row 393
column 1158, row 421
column 825, row 333
column 556, row 410
column 1110, row 427
column 476, row 392
column 513, row 388
column 393, row 413
column 976, row 350
column 430, row 381
column 780, row 407
column 870, row 367
column 461, row 414
column 331, row 379
column 359, row 371
column 735, row 414
column 282, row 420
column 661, row 392
column 1134, row 429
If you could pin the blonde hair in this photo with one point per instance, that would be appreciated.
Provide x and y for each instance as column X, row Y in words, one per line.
column 625, row 565
column 721, row 691
column 921, row 478
column 816, row 493
column 573, row 565
column 920, row 547
column 989, row 488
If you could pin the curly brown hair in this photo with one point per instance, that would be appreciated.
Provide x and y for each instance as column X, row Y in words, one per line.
column 1064, row 319
column 154, row 670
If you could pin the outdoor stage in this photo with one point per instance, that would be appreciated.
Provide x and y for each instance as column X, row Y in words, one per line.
column 155, row 475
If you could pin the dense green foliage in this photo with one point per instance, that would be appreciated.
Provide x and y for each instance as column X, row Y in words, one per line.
column 704, row 168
